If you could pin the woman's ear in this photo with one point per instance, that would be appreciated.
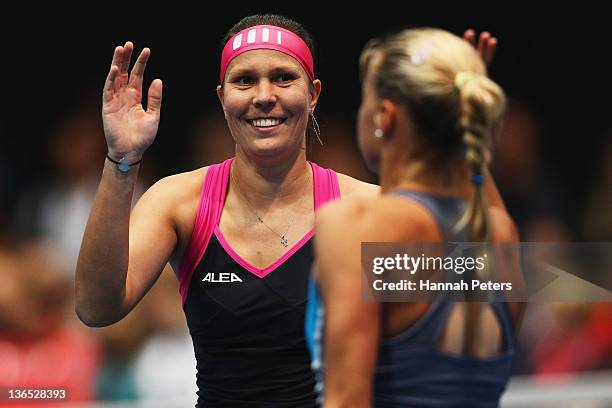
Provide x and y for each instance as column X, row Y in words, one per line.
column 220, row 96
column 385, row 118
column 220, row 93
column 315, row 92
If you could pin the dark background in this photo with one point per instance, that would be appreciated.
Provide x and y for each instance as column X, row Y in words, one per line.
column 555, row 58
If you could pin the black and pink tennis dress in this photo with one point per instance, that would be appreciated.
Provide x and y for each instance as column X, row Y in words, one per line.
column 247, row 323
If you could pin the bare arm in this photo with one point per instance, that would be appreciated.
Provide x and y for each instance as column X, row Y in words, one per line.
column 118, row 262
column 352, row 324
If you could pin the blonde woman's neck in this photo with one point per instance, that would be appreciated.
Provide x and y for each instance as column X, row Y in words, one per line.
column 441, row 179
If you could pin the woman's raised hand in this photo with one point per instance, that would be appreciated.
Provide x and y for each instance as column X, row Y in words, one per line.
column 129, row 128
column 485, row 46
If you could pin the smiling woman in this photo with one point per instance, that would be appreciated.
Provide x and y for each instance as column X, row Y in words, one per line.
column 238, row 233
column 267, row 105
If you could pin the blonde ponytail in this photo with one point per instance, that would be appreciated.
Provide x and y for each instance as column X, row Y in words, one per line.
column 481, row 104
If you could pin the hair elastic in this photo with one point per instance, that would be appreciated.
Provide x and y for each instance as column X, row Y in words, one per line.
column 478, row 179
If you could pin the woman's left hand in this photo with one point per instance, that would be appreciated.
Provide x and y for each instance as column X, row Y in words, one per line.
column 486, row 44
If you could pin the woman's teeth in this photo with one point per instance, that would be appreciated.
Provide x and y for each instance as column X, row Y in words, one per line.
column 266, row 122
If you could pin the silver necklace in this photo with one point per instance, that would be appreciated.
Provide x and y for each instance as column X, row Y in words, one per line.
column 283, row 238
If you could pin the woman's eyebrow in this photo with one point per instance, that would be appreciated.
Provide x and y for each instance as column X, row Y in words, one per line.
column 242, row 71
column 285, row 68
column 250, row 70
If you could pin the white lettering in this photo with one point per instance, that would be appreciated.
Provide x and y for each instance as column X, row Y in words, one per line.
column 489, row 285
column 480, row 263
column 447, row 286
column 223, row 277
column 415, row 265
column 377, row 268
column 402, row 285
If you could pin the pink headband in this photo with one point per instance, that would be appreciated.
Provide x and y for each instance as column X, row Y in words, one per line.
column 270, row 38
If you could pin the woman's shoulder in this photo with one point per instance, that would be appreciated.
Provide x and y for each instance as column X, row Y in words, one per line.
column 175, row 194
column 377, row 218
column 181, row 184
column 352, row 187
column 175, row 198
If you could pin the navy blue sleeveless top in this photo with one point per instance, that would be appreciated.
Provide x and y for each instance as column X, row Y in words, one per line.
column 410, row 370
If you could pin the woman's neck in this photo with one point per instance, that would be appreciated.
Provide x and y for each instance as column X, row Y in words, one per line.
column 286, row 180
column 448, row 179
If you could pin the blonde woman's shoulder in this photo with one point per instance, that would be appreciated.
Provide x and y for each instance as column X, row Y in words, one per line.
column 351, row 187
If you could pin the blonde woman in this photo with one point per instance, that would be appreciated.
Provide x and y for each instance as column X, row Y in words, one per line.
column 427, row 113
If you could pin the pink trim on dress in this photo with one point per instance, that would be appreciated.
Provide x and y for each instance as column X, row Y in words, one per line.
column 261, row 273
column 207, row 217
column 214, row 189
column 326, row 186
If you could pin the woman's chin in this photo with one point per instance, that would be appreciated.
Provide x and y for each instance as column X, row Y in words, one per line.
column 273, row 147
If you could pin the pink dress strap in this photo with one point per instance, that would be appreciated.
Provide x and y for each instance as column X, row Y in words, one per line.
column 207, row 217
column 326, row 186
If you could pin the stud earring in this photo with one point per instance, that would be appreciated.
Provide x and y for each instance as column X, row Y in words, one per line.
column 378, row 133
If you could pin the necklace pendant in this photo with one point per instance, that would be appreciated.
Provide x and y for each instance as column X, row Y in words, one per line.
column 283, row 241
